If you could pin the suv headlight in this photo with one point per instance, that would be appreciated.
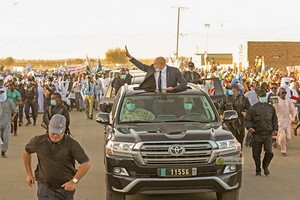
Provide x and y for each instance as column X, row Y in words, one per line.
column 119, row 148
column 228, row 144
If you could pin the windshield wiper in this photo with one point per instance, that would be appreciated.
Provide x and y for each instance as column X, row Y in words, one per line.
column 138, row 121
column 183, row 120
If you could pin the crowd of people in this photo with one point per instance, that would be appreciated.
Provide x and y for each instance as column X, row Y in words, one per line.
column 266, row 102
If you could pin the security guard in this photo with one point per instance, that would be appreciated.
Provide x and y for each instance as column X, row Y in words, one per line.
column 191, row 76
column 30, row 98
column 239, row 103
column 261, row 122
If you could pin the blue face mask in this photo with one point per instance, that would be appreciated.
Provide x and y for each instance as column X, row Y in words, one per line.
column 28, row 82
column 230, row 92
column 188, row 106
column 130, row 106
column 53, row 102
column 123, row 76
column 262, row 99
column 48, row 83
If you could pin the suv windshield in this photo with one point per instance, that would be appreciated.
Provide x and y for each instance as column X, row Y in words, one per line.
column 166, row 108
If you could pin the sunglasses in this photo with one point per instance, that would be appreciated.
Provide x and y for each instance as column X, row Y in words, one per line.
column 283, row 92
column 273, row 88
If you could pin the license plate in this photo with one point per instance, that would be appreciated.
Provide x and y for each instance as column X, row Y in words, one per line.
column 176, row 172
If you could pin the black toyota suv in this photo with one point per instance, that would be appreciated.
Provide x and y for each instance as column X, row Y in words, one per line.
column 165, row 143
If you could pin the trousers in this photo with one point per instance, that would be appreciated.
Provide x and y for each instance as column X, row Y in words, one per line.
column 4, row 134
column 89, row 105
column 259, row 142
column 47, row 193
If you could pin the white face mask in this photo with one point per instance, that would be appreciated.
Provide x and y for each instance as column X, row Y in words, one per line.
column 157, row 69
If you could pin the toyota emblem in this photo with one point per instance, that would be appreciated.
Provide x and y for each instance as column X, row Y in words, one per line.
column 176, row 150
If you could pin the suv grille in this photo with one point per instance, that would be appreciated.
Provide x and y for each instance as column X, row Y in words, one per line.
column 176, row 153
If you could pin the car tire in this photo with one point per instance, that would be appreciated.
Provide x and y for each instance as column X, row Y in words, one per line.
column 229, row 195
column 110, row 195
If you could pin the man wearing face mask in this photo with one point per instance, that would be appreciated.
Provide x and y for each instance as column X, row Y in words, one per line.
column 159, row 76
column 30, row 99
column 191, row 76
column 261, row 122
column 15, row 96
column 132, row 113
column 21, row 88
column 8, row 112
column 122, row 78
column 56, row 107
column 238, row 102
column 49, row 89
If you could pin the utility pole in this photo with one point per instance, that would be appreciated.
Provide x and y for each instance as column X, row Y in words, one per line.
column 178, row 23
column 207, row 27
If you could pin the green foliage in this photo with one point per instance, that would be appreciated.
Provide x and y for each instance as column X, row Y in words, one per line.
column 116, row 55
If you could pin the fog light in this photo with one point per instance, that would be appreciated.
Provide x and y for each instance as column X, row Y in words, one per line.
column 232, row 168
column 120, row 171
column 229, row 169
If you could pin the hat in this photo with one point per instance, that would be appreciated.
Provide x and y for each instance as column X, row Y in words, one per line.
column 261, row 93
column 191, row 64
column 57, row 124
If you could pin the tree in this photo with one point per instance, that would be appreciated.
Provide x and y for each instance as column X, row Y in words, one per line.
column 116, row 55
column 8, row 61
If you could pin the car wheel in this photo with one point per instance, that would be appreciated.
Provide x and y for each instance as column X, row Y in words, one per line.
column 229, row 195
column 110, row 195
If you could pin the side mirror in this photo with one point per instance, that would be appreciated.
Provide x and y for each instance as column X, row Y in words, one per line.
column 105, row 107
column 230, row 115
column 102, row 118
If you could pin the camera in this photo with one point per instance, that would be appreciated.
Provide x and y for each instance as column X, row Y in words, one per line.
column 274, row 99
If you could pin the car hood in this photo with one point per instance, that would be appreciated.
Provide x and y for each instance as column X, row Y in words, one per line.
column 171, row 132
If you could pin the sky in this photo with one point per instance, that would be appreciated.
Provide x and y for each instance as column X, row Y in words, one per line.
column 60, row 29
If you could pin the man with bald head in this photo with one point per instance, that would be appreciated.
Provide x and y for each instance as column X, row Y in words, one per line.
column 159, row 76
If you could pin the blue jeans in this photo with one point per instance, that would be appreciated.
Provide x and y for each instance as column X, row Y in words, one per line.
column 47, row 193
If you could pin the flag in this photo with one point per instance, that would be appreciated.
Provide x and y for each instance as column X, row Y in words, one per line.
column 98, row 68
column 28, row 68
column 89, row 69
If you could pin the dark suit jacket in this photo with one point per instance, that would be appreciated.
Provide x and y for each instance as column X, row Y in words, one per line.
column 174, row 77
column 188, row 77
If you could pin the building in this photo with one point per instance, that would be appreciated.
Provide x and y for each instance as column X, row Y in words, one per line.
column 275, row 54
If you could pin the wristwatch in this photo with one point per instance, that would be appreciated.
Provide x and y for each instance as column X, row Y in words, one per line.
column 75, row 180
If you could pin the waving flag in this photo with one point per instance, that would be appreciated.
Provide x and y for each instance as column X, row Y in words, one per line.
column 98, row 68
column 89, row 69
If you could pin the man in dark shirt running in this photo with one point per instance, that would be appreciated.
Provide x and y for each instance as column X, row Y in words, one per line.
column 56, row 107
column 56, row 153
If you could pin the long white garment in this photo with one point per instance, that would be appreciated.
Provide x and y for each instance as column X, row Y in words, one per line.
column 105, row 84
column 41, row 99
column 285, row 110
column 100, row 89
